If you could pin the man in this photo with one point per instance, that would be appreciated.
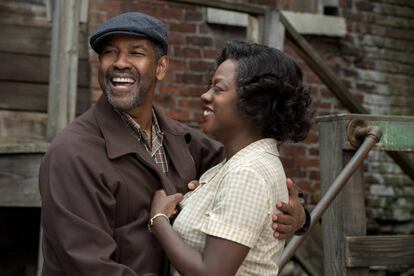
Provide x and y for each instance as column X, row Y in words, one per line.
column 99, row 174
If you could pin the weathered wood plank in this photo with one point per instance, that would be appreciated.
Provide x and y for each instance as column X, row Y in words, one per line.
column 34, row 97
column 379, row 250
column 274, row 31
column 63, row 76
column 227, row 5
column 29, row 68
column 19, row 180
column 33, row 40
column 336, row 220
column 398, row 131
column 23, row 148
column 18, row 127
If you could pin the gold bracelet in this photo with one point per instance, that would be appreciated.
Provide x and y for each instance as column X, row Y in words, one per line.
column 151, row 221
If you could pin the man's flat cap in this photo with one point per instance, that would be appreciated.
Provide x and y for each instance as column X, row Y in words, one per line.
column 131, row 23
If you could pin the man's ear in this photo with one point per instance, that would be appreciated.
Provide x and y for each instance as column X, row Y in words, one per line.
column 162, row 67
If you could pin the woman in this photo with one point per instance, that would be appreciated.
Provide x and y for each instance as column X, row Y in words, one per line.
column 256, row 101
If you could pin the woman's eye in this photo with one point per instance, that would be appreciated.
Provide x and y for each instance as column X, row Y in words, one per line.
column 215, row 89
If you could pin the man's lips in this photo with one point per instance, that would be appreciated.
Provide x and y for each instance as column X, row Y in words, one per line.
column 122, row 82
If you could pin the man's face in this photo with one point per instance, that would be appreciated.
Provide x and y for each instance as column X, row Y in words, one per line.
column 128, row 71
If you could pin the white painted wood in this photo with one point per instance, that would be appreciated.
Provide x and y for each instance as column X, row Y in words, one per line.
column 274, row 31
column 304, row 23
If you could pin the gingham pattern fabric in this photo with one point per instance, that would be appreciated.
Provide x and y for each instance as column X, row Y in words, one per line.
column 235, row 201
column 155, row 148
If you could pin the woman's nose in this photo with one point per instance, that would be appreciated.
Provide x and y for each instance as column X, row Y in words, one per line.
column 206, row 96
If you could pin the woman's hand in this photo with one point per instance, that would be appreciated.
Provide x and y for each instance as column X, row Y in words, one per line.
column 161, row 203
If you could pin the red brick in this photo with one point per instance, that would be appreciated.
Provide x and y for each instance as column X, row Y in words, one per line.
column 176, row 64
column 177, row 14
column 311, row 78
column 200, row 41
column 182, row 90
column 201, row 65
column 180, row 115
column 190, row 103
column 176, row 38
column 189, row 78
column 187, row 52
column 212, row 54
column 182, row 27
column 313, row 151
column 193, row 15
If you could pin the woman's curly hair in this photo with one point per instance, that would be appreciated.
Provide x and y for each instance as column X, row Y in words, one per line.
column 270, row 90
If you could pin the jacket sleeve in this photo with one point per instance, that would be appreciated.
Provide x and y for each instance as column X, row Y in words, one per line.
column 78, row 211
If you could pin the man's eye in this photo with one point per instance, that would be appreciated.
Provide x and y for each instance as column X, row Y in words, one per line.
column 108, row 51
column 138, row 54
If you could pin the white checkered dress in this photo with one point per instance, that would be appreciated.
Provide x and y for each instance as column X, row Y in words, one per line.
column 235, row 201
column 156, row 150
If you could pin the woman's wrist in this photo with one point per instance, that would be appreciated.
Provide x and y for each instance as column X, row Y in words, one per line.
column 155, row 217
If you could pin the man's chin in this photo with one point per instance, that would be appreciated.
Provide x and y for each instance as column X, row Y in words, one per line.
column 123, row 105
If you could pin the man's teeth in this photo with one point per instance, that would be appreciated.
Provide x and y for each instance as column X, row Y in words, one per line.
column 123, row 80
column 208, row 112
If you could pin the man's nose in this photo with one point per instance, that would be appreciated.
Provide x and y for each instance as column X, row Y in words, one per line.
column 122, row 61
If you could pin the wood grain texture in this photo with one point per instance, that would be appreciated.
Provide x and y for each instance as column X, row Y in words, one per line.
column 33, row 97
column 379, row 250
column 19, row 180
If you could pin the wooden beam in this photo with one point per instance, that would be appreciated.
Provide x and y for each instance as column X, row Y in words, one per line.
column 63, row 65
column 398, row 134
column 227, row 5
column 364, row 251
column 33, row 97
column 19, row 179
column 274, row 31
column 335, row 221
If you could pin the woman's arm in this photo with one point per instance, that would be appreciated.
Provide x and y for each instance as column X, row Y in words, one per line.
column 220, row 256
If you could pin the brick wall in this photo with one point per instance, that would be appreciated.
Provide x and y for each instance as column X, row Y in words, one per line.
column 375, row 60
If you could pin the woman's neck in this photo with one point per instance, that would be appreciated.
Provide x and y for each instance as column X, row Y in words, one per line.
column 234, row 144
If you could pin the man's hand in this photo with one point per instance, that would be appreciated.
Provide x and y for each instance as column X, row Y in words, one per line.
column 293, row 215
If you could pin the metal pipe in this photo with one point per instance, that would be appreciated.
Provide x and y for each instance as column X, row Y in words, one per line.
column 372, row 136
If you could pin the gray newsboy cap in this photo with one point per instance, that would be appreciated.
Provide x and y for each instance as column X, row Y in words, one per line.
column 131, row 23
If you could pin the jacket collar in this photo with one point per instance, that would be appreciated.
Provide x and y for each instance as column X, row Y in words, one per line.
column 118, row 137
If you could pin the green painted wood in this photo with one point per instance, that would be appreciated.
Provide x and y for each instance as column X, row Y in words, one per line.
column 397, row 135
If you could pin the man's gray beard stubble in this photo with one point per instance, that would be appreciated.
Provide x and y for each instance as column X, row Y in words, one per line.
column 136, row 101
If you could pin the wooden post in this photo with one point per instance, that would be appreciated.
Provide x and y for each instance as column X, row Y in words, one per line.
column 254, row 28
column 346, row 216
column 273, row 30
column 63, row 65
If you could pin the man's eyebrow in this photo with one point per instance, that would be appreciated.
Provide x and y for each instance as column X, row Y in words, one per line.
column 138, row 46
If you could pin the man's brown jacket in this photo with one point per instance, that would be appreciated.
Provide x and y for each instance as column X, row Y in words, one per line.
column 97, row 182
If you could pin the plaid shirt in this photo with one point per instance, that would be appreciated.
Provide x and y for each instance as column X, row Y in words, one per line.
column 155, row 148
column 235, row 201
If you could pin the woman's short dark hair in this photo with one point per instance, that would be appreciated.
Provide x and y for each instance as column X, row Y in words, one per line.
column 270, row 90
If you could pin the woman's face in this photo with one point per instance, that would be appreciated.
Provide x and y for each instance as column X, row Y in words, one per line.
column 221, row 116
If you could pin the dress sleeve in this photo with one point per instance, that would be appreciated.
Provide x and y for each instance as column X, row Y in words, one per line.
column 241, row 208
column 78, row 211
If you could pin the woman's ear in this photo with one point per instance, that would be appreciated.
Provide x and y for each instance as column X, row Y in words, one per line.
column 162, row 67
